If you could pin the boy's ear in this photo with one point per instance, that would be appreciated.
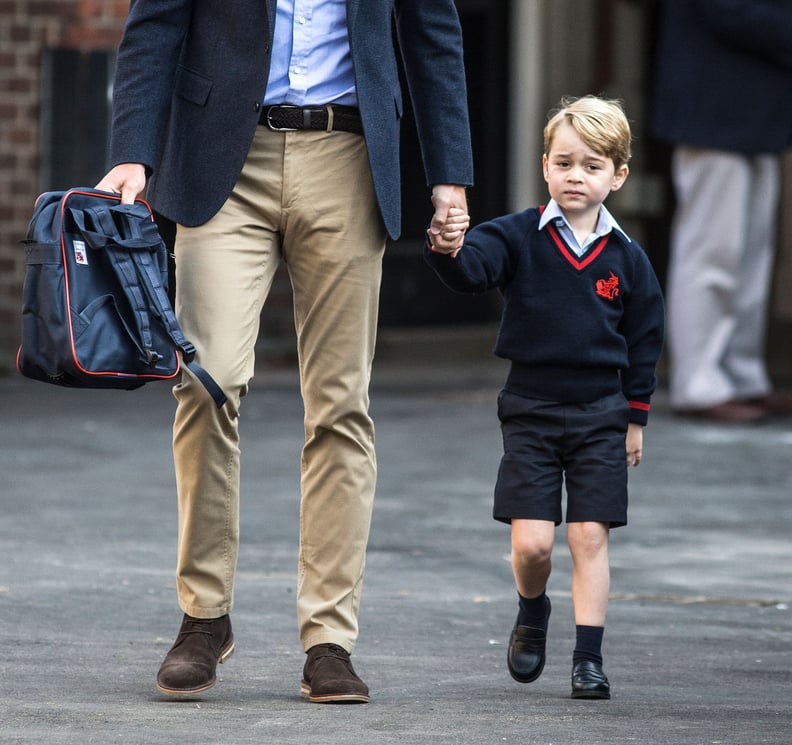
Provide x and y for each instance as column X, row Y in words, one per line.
column 544, row 166
column 619, row 177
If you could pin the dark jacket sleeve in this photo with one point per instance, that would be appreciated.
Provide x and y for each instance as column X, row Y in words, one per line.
column 430, row 40
column 190, row 79
column 145, row 68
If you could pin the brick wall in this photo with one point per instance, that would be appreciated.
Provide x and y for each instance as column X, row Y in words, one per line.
column 27, row 27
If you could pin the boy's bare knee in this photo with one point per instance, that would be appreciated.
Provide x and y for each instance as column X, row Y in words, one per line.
column 587, row 537
column 531, row 552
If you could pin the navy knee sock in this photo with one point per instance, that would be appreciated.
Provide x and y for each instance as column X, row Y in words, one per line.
column 533, row 611
column 588, row 645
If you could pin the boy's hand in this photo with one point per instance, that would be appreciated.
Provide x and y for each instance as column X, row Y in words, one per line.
column 634, row 444
column 449, row 237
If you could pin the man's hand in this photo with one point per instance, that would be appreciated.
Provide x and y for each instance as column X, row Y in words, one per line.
column 449, row 239
column 449, row 229
column 126, row 179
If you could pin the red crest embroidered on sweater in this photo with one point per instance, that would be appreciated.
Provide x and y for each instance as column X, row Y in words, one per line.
column 608, row 288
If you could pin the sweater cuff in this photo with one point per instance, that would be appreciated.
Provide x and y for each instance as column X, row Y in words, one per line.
column 639, row 412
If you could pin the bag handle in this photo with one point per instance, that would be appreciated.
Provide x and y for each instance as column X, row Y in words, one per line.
column 141, row 230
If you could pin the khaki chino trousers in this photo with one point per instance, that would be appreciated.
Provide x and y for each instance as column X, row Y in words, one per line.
column 304, row 198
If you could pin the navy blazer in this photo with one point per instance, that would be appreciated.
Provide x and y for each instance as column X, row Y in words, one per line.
column 191, row 76
column 724, row 75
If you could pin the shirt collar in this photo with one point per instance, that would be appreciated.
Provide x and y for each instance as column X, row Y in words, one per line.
column 605, row 222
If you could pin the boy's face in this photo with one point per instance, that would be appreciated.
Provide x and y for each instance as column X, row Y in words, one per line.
column 579, row 178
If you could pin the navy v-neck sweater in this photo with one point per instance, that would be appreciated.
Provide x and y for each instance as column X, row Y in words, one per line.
column 575, row 328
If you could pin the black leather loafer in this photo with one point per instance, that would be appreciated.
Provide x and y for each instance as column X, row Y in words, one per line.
column 190, row 665
column 526, row 656
column 589, row 681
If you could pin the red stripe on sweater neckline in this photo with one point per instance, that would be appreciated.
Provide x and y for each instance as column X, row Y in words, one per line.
column 569, row 256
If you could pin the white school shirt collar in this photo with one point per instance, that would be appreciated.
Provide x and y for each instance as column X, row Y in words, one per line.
column 605, row 224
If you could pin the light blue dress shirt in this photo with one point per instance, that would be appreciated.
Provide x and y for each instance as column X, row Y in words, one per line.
column 605, row 224
column 311, row 60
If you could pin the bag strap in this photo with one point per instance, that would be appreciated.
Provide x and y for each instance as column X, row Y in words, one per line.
column 130, row 239
column 141, row 230
column 149, row 274
column 116, row 248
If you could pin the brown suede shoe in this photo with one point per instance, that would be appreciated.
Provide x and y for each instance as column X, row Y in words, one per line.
column 190, row 665
column 329, row 678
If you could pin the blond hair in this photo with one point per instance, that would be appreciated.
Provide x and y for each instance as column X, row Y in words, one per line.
column 600, row 122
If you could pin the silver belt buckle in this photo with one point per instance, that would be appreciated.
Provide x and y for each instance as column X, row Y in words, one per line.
column 271, row 126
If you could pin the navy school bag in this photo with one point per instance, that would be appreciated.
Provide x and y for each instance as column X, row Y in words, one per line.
column 95, row 307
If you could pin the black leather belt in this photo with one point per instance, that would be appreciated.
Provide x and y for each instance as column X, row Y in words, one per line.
column 328, row 118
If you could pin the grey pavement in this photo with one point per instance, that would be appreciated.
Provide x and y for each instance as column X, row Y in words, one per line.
column 698, row 643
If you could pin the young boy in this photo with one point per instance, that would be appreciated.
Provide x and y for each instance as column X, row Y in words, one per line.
column 582, row 324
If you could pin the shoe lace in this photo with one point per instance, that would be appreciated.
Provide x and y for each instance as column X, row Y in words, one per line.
column 204, row 627
column 196, row 626
column 331, row 650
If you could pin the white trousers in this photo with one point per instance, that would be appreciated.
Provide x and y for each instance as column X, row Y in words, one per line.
column 722, row 247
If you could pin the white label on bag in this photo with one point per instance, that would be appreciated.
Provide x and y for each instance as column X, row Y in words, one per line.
column 80, row 255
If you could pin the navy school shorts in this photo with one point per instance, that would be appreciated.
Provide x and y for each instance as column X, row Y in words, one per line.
column 548, row 444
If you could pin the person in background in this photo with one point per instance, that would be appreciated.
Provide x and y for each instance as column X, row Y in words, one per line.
column 721, row 97
column 582, row 324
column 269, row 131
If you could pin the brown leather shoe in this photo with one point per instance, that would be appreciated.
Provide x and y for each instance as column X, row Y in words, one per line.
column 190, row 665
column 773, row 404
column 329, row 678
column 734, row 412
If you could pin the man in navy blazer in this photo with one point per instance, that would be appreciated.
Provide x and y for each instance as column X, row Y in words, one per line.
column 721, row 97
column 269, row 132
